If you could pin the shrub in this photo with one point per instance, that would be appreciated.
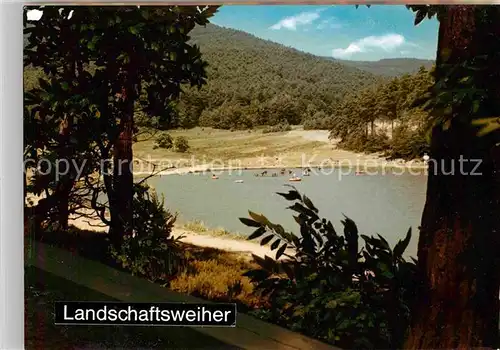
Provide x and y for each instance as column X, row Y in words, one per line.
column 325, row 287
column 376, row 143
column 407, row 143
column 319, row 121
column 181, row 144
column 164, row 141
column 150, row 251
column 358, row 141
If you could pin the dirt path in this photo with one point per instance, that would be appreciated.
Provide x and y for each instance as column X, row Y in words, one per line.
column 190, row 237
column 227, row 244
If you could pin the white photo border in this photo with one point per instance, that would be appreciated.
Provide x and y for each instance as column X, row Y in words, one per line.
column 11, row 171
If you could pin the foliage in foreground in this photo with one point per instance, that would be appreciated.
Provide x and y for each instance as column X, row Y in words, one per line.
column 151, row 251
column 216, row 275
column 329, row 287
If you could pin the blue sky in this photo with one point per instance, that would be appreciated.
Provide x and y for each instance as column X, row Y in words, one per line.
column 341, row 31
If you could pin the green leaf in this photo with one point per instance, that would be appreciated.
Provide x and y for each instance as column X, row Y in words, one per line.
column 332, row 304
column 266, row 240
column 309, row 204
column 281, row 251
column 402, row 245
column 257, row 233
column 249, row 222
column 133, row 30
column 261, row 219
column 279, row 230
column 297, row 219
column 291, row 195
column 299, row 208
column 350, row 228
column 385, row 244
column 419, row 16
column 465, row 80
column 275, row 244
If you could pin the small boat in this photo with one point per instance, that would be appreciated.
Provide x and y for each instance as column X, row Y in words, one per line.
column 214, row 177
column 295, row 179
column 360, row 173
column 238, row 181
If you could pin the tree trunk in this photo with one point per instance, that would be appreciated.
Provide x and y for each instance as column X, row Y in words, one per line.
column 458, row 250
column 123, row 182
column 65, row 182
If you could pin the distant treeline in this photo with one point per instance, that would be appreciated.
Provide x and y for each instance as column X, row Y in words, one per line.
column 397, row 105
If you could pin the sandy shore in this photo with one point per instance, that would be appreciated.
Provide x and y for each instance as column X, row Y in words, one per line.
column 199, row 239
column 227, row 244
column 357, row 163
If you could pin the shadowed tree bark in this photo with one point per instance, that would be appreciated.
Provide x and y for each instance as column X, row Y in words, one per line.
column 123, row 181
column 458, row 250
column 67, row 181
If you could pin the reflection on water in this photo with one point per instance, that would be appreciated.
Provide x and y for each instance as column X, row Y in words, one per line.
column 384, row 204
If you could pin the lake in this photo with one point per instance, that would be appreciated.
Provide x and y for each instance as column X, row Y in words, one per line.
column 385, row 204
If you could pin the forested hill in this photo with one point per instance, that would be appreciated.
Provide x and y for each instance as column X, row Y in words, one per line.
column 238, row 55
column 253, row 78
column 390, row 67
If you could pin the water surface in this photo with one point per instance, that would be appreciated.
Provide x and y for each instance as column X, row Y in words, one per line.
column 385, row 204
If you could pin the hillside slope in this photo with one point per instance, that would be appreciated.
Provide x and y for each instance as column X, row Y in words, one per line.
column 242, row 64
column 257, row 82
column 390, row 67
column 238, row 55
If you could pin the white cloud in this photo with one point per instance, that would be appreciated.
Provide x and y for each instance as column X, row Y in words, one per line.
column 387, row 43
column 292, row 22
column 331, row 23
column 34, row 15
